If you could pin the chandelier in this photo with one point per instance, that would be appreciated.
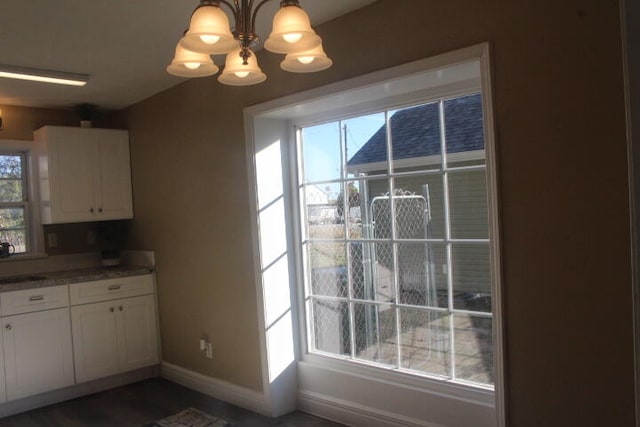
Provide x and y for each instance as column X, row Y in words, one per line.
column 209, row 34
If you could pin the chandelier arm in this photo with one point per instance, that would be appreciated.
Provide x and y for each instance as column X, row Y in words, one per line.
column 232, row 7
column 255, row 13
column 246, row 22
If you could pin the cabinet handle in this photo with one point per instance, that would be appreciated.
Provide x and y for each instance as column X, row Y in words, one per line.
column 111, row 309
column 36, row 298
column 114, row 287
column 91, row 210
column 99, row 209
column 8, row 327
column 120, row 308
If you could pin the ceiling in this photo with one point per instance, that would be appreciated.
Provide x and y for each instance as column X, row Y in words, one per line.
column 123, row 45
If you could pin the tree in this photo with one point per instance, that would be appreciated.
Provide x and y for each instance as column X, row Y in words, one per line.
column 10, row 178
column 10, row 191
column 354, row 200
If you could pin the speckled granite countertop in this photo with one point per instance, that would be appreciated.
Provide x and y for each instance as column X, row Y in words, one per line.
column 41, row 280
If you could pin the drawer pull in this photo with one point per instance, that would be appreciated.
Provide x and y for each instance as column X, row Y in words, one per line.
column 8, row 327
column 114, row 287
column 111, row 309
column 36, row 298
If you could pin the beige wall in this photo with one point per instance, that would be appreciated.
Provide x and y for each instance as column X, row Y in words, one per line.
column 632, row 20
column 563, row 186
column 18, row 123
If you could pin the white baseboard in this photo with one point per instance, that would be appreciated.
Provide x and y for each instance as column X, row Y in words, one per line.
column 321, row 405
column 353, row 414
column 227, row 392
column 348, row 395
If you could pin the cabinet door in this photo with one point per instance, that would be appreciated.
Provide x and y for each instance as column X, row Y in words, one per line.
column 114, row 179
column 137, row 332
column 85, row 174
column 95, row 346
column 38, row 353
column 72, row 176
column 3, row 390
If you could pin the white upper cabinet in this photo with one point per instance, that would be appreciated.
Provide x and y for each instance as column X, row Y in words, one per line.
column 85, row 174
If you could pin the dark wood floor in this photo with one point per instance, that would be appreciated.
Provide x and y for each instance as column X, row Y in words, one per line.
column 138, row 404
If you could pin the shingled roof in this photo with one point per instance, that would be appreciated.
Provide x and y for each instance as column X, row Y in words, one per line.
column 416, row 132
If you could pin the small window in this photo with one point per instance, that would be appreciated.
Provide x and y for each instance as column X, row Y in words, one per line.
column 14, row 202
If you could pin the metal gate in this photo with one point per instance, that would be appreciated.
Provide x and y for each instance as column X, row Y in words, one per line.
column 410, row 215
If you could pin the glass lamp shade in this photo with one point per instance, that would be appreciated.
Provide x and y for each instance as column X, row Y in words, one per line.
column 308, row 61
column 291, row 32
column 209, row 32
column 235, row 73
column 191, row 64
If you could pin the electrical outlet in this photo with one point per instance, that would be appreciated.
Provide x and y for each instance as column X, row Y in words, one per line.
column 209, row 351
column 52, row 239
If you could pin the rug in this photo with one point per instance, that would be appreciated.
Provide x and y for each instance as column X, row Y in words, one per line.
column 190, row 418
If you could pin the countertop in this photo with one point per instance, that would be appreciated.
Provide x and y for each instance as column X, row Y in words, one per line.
column 55, row 278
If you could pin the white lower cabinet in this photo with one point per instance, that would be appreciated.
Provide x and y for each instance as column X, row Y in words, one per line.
column 114, row 336
column 54, row 337
column 137, row 333
column 38, row 355
column 3, row 390
column 94, row 340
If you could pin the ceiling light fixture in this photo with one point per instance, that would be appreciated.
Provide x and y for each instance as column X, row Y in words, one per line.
column 209, row 33
column 44, row 76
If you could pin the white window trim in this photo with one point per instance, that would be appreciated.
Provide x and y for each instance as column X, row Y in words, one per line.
column 464, row 156
column 282, row 109
column 35, row 232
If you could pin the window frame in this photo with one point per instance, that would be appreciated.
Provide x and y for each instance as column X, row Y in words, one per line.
column 31, row 203
column 270, row 124
column 392, row 167
column 26, row 197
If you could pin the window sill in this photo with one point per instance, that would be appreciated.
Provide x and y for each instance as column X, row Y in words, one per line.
column 481, row 395
column 24, row 257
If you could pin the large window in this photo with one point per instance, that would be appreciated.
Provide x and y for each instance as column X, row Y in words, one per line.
column 395, row 239
column 14, row 201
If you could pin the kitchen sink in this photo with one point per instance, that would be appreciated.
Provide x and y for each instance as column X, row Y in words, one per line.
column 20, row 279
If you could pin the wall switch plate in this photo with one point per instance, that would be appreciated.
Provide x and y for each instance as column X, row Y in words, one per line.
column 52, row 240
column 209, row 351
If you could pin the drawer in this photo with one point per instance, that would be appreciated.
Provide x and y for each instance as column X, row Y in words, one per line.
column 28, row 300
column 108, row 289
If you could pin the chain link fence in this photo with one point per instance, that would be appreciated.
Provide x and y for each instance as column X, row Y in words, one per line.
column 414, row 335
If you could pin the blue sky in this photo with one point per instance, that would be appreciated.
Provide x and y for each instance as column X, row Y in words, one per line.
column 321, row 149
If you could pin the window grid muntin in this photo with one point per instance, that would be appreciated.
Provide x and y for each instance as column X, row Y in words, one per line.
column 394, row 247
column 391, row 174
column 345, row 211
column 447, row 227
